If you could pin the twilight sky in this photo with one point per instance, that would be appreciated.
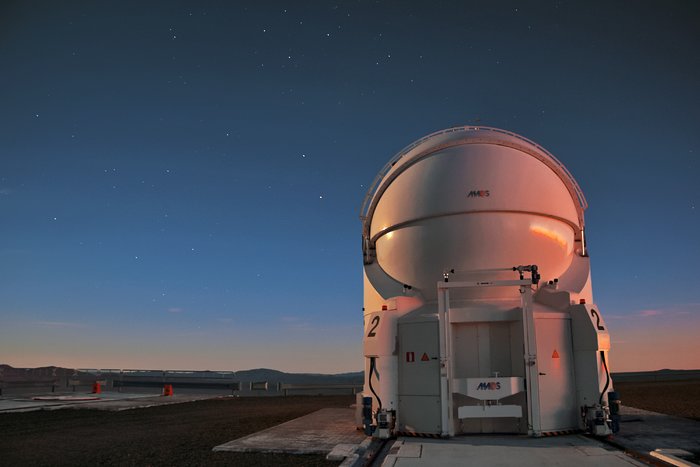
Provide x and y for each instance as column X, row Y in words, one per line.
column 180, row 182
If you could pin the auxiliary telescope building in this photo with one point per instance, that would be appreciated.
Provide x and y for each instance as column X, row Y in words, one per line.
column 478, row 307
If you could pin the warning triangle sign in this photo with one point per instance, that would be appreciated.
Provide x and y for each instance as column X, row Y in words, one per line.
column 425, row 357
column 555, row 354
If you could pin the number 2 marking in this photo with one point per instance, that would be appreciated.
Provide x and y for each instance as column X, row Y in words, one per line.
column 597, row 320
column 375, row 322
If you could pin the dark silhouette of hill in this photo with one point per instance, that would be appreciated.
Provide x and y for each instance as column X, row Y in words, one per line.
column 9, row 373
column 275, row 376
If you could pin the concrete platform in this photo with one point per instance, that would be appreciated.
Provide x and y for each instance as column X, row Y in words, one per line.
column 333, row 431
column 113, row 401
column 506, row 451
column 643, row 431
column 316, row 433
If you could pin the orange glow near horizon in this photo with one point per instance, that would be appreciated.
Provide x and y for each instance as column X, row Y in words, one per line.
column 654, row 340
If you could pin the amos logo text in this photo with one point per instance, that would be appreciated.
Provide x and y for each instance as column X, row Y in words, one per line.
column 479, row 194
column 492, row 386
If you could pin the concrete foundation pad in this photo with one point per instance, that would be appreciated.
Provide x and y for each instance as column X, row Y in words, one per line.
column 352, row 461
column 644, row 432
column 333, row 430
column 643, row 436
column 409, row 450
column 341, row 451
column 516, row 451
column 673, row 456
column 66, row 398
column 316, row 433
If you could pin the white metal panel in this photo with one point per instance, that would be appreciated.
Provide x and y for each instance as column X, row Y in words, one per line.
column 419, row 359
column 489, row 411
column 380, row 326
column 484, row 312
column 460, row 136
column 442, row 182
column 419, row 414
column 484, row 348
column 488, row 388
column 590, row 330
column 557, row 388
column 419, row 378
column 379, row 334
column 474, row 241
column 380, row 344
column 466, row 351
column 480, row 349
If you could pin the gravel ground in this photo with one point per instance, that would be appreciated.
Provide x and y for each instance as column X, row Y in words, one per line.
column 184, row 434
column 679, row 398
column 172, row 435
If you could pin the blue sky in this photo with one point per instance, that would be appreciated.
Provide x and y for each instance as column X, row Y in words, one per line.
column 180, row 182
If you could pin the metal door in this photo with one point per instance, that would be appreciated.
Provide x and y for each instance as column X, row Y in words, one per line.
column 419, row 378
column 557, row 388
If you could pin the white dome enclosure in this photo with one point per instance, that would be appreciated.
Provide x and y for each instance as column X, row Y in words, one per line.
column 478, row 309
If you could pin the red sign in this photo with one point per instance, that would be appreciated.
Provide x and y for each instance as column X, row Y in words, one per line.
column 425, row 357
column 410, row 357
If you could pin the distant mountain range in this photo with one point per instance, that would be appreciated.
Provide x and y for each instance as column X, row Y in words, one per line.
column 659, row 375
column 9, row 373
column 357, row 377
column 275, row 376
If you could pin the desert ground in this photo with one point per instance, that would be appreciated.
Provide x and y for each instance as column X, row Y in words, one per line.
column 184, row 434
column 678, row 398
column 179, row 434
